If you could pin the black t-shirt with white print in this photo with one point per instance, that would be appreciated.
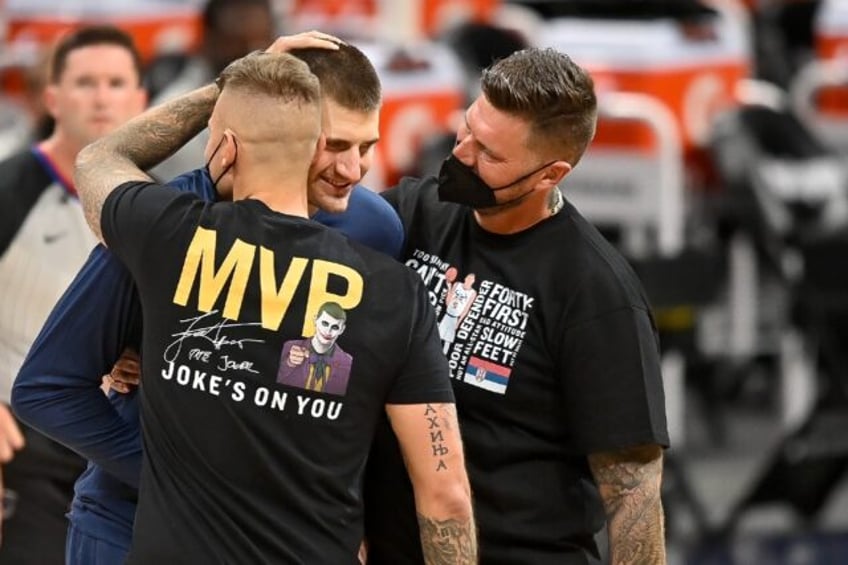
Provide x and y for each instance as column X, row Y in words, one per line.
column 553, row 355
column 258, row 412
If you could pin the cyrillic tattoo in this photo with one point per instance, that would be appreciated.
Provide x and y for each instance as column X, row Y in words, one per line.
column 435, row 422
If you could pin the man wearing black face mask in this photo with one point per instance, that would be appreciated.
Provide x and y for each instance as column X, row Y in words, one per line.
column 555, row 365
column 459, row 183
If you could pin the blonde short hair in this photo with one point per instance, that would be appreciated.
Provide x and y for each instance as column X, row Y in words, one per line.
column 277, row 75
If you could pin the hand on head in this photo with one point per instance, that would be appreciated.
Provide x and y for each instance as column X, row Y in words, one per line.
column 305, row 40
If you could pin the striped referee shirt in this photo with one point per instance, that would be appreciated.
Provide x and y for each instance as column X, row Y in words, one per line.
column 44, row 240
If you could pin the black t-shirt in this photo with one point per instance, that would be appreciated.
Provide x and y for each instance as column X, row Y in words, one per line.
column 253, row 453
column 553, row 354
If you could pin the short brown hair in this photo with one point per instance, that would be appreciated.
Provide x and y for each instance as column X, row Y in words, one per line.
column 554, row 94
column 278, row 75
column 346, row 75
column 87, row 37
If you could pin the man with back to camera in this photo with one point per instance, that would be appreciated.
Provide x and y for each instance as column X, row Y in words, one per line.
column 555, row 366
column 93, row 86
column 283, row 457
column 99, row 315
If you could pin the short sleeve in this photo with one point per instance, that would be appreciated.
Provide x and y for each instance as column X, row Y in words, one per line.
column 611, row 381
column 424, row 376
column 136, row 210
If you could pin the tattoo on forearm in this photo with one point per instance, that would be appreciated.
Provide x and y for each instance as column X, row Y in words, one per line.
column 436, row 425
column 629, row 484
column 140, row 144
column 448, row 542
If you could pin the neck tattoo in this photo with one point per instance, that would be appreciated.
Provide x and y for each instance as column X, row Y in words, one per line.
column 556, row 201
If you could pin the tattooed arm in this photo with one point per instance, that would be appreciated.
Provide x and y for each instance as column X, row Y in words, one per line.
column 141, row 143
column 432, row 450
column 629, row 483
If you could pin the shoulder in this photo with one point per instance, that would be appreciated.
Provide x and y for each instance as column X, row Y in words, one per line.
column 411, row 189
column 22, row 160
column 367, row 205
column 603, row 268
column 23, row 181
column 370, row 220
column 141, row 191
column 142, row 212
column 367, row 200
column 342, row 355
column 417, row 200
column 21, row 172
column 196, row 181
column 383, row 269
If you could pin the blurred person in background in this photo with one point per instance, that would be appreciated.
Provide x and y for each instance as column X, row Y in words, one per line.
column 94, row 85
column 231, row 29
column 57, row 390
column 784, row 38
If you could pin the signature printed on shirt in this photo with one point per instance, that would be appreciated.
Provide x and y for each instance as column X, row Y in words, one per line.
column 214, row 334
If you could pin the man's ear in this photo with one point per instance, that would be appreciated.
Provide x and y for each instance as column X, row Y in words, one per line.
column 50, row 99
column 229, row 149
column 556, row 172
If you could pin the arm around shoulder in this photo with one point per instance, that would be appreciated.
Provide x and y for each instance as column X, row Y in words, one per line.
column 432, row 450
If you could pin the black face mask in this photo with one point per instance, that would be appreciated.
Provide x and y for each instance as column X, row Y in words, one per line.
column 224, row 172
column 460, row 184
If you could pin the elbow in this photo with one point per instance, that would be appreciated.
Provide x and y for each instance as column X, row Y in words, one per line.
column 84, row 160
column 456, row 503
column 28, row 404
column 446, row 523
column 449, row 498
column 22, row 404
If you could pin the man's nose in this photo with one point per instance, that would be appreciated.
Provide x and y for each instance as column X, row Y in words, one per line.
column 348, row 165
column 102, row 91
column 462, row 151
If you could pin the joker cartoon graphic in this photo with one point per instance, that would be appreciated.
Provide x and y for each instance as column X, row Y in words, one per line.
column 318, row 363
